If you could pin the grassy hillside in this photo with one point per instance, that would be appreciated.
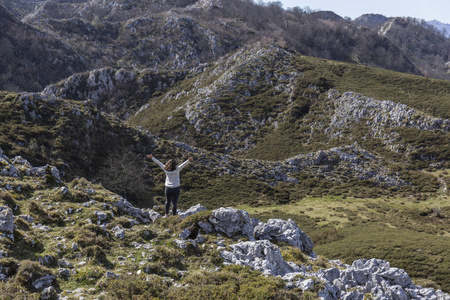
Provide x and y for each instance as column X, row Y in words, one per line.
column 273, row 104
column 412, row 233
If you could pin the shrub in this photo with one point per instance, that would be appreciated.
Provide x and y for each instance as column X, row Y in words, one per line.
column 294, row 255
column 137, row 287
column 27, row 273
column 168, row 257
column 89, row 275
column 45, row 217
column 7, row 199
column 90, row 235
column 97, row 254
column 232, row 282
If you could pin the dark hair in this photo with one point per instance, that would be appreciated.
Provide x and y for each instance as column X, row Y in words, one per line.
column 171, row 165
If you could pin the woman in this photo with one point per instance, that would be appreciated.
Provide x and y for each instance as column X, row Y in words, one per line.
column 172, row 190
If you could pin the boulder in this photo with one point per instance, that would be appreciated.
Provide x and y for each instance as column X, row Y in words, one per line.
column 154, row 215
column 48, row 293
column 101, row 216
column 6, row 222
column 125, row 206
column 286, row 231
column 192, row 210
column 118, row 232
column 259, row 255
column 397, row 276
column 43, row 282
column 232, row 222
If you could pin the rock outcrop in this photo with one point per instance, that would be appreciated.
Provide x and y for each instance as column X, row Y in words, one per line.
column 374, row 277
column 232, row 222
column 117, row 91
column 355, row 108
column 140, row 214
column 6, row 222
column 286, row 231
column 259, row 255
column 192, row 210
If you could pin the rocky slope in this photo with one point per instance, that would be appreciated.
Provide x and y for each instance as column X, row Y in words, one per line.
column 30, row 58
column 180, row 35
column 79, row 232
column 246, row 102
column 47, row 134
column 119, row 92
column 413, row 37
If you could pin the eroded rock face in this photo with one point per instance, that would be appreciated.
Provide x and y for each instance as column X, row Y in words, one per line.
column 353, row 108
column 286, row 231
column 259, row 255
column 232, row 222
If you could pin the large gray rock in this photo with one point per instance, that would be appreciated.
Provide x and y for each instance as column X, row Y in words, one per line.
column 154, row 215
column 46, row 170
column 6, row 222
column 192, row 210
column 286, row 231
column 232, row 222
column 44, row 282
column 372, row 276
column 259, row 255
column 125, row 206
column 119, row 232
column 48, row 293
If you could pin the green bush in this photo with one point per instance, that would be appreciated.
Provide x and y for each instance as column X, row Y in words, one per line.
column 137, row 287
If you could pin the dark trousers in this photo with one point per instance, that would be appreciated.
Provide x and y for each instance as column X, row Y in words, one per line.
column 172, row 195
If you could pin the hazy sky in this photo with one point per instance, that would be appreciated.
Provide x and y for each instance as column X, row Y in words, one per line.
column 422, row 9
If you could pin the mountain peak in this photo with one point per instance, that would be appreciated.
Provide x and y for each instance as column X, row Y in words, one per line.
column 370, row 20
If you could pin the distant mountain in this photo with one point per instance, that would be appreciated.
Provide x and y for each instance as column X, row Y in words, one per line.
column 181, row 35
column 445, row 28
column 21, row 8
column 422, row 43
column 30, row 58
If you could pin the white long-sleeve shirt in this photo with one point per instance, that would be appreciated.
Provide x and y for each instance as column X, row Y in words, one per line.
column 172, row 177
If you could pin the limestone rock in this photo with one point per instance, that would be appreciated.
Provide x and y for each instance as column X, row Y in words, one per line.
column 119, row 232
column 259, row 255
column 286, row 231
column 26, row 218
column 6, row 222
column 48, row 293
column 185, row 234
column 110, row 274
column 232, row 222
column 192, row 210
column 46, row 260
column 125, row 206
column 101, row 216
column 43, row 282
column 154, row 215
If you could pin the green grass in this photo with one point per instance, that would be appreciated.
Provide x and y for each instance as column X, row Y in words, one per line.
column 422, row 255
column 425, row 94
column 410, row 233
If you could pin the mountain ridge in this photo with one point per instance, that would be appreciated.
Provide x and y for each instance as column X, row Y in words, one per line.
column 131, row 36
column 357, row 156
